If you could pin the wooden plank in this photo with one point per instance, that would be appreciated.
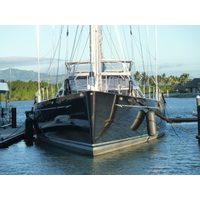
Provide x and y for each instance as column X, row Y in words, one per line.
column 179, row 120
column 10, row 135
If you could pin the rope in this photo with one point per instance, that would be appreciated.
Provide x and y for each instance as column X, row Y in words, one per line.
column 13, row 132
column 181, row 128
column 167, row 120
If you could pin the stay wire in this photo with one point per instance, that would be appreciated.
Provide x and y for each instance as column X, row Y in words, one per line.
column 61, row 30
column 111, row 43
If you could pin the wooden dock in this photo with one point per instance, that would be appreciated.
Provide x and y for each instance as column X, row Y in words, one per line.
column 179, row 120
column 10, row 135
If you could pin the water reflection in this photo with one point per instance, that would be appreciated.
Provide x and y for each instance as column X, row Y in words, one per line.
column 168, row 155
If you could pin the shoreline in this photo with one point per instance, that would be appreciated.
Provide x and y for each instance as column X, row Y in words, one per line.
column 181, row 95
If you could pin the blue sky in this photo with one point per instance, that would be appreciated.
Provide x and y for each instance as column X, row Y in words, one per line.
column 178, row 47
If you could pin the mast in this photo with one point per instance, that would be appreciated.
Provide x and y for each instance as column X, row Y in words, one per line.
column 156, row 55
column 95, row 57
column 38, row 51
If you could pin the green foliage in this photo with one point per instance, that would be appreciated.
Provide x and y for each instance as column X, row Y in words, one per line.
column 20, row 90
column 161, row 79
column 164, row 83
column 151, row 89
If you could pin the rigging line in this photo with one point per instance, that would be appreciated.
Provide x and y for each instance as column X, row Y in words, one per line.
column 135, row 38
column 51, row 61
column 132, row 49
column 148, row 61
column 79, row 43
column 38, row 55
column 125, row 42
column 144, row 84
column 74, row 44
column 118, row 38
column 148, row 48
column 82, row 54
column 141, row 48
column 112, row 43
column 66, row 52
column 156, row 62
column 109, row 45
column 59, row 56
column 85, row 47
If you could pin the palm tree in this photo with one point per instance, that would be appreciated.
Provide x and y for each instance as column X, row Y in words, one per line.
column 159, row 78
column 163, row 78
column 137, row 76
column 184, row 78
column 144, row 78
column 152, row 80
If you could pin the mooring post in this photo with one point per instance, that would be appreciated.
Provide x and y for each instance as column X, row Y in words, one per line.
column 14, row 117
column 198, row 115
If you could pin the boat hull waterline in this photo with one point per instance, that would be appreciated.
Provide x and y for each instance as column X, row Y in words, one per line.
column 95, row 122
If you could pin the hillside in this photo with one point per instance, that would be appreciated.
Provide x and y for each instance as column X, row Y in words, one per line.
column 27, row 75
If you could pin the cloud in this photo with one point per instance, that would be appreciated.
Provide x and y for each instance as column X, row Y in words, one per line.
column 164, row 66
column 179, row 65
column 7, row 62
column 172, row 66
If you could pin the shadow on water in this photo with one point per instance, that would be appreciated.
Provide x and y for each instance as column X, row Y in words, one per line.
column 168, row 155
column 128, row 161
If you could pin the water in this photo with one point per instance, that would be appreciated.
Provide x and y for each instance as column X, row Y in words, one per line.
column 177, row 153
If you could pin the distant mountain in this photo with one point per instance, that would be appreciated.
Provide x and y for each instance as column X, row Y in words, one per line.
column 27, row 75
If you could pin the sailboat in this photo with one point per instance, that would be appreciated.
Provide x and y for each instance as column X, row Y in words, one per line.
column 99, row 108
column 5, row 110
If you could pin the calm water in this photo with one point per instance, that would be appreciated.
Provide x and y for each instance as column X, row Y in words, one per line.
column 177, row 153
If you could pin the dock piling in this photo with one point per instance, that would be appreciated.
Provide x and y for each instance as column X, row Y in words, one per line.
column 198, row 116
column 14, row 116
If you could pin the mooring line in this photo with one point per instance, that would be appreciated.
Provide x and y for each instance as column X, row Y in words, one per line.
column 167, row 120
column 13, row 132
column 181, row 128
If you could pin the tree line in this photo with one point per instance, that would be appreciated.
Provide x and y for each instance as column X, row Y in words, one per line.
column 21, row 90
column 144, row 79
column 147, row 83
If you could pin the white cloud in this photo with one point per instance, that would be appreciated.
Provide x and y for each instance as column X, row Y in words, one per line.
column 9, row 62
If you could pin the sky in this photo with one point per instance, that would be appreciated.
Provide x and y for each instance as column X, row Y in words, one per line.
column 178, row 47
column 178, row 44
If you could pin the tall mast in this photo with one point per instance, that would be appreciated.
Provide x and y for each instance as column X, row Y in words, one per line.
column 38, row 51
column 156, row 55
column 95, row 57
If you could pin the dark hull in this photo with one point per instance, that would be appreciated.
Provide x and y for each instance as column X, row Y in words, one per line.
column 95, row 122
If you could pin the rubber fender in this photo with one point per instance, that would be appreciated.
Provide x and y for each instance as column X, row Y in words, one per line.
column 28, row 128
column 151, row 123
column 138, row 120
